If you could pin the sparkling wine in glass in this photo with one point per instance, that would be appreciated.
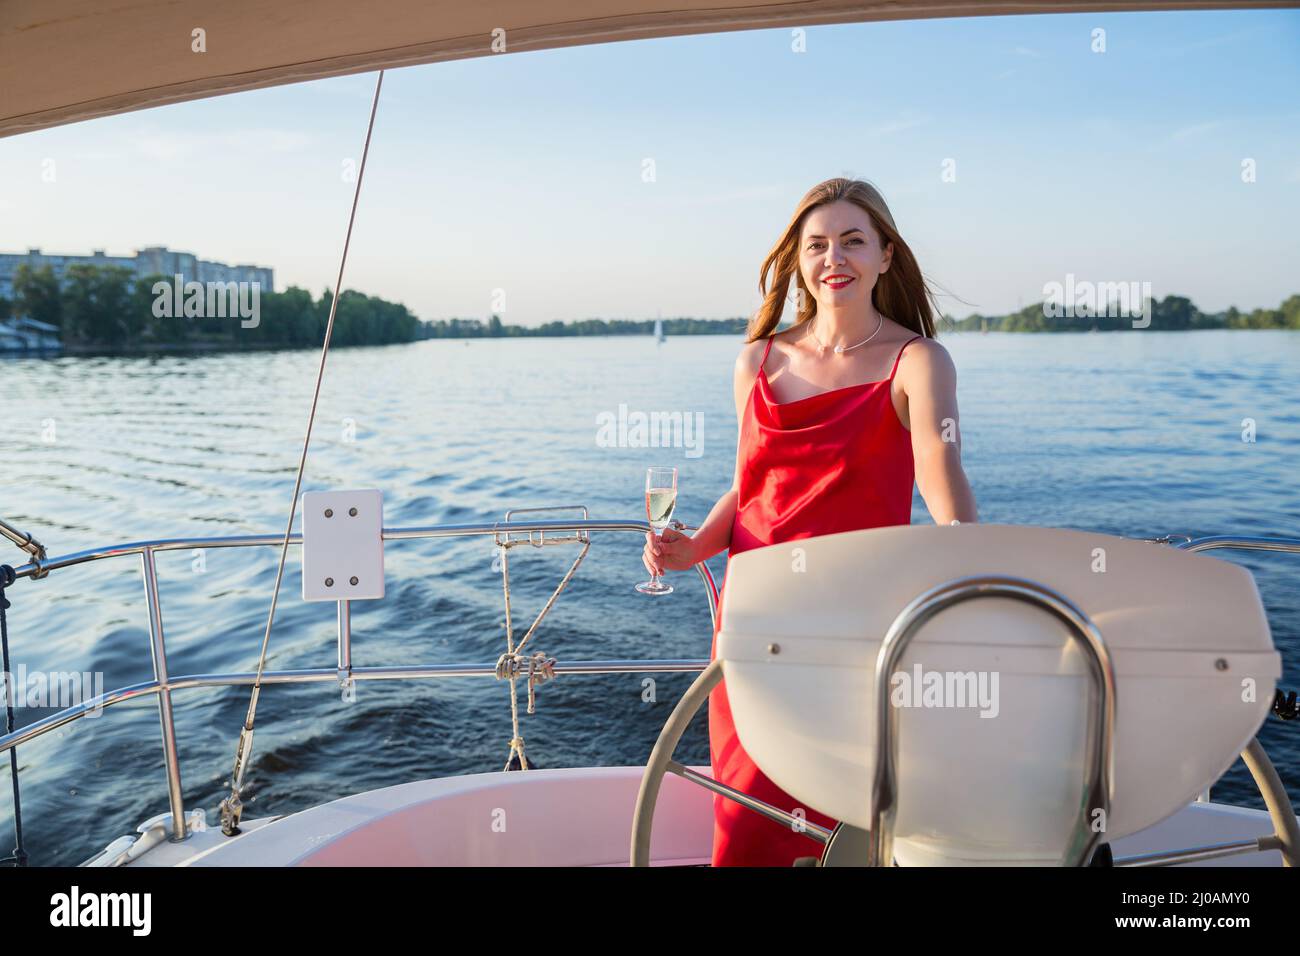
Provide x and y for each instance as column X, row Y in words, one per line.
column 660, row 499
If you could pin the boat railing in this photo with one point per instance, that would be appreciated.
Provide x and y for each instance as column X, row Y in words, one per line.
column 163, row 683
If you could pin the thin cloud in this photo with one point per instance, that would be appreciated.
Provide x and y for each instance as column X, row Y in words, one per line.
column 897, row 126
column 1219, row 40
column 737, row 195
column 1026, row 51
column 1195, row 129
column 169, row 147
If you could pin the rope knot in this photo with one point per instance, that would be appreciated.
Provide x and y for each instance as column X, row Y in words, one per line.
column 537, row 667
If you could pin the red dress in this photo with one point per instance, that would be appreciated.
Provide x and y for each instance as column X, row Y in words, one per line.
column 837, row 461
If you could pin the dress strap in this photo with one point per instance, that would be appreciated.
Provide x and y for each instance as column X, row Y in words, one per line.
column 767, row 348
column 900, row 354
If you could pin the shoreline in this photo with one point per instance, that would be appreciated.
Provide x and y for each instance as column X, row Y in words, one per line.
column 213, row 348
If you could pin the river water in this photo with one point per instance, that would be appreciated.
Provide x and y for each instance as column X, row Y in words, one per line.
column 1135, row 433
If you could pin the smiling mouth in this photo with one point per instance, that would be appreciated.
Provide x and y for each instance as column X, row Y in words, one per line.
column 837, row 282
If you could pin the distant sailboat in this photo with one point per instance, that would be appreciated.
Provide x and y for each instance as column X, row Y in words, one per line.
column 659, row 331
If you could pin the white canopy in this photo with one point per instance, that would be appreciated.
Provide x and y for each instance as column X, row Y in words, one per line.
column 68, row 60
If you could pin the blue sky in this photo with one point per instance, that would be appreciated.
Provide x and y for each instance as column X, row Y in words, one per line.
column 523, row 172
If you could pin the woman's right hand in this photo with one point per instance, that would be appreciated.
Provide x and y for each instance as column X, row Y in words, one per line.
column 673, row 552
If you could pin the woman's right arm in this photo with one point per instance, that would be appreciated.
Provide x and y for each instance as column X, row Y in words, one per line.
column 715, row 534
column 678, row 552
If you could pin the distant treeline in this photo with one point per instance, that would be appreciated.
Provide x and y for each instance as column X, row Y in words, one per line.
column 1172, row 313
column 495, row 328
column 112, row 308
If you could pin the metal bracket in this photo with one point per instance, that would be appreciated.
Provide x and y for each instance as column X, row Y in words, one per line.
column 538, row 538
column 25, row 541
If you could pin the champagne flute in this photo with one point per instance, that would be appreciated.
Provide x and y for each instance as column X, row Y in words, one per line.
column 660, row 498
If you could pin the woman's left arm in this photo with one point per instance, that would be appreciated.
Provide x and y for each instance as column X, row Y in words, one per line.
column 929, row 380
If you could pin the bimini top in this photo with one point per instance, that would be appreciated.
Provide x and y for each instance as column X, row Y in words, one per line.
column 68, row 60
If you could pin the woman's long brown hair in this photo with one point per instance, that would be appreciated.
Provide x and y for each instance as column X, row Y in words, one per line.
column 901, row 293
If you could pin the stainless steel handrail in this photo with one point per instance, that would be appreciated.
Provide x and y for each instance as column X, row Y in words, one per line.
column 325, row 675
column 1243, row 542
column 1099, row 769
column 389, row 534
column 171, row 756
column 163, row 684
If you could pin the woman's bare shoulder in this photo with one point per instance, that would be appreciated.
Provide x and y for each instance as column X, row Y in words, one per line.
column 750, row 357
column 928, row 350
column 751, row 353
column 925, row 360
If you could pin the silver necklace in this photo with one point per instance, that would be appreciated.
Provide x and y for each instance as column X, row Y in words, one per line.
column 840, row 349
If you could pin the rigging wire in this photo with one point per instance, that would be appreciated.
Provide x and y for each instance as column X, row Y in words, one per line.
column 231, row 806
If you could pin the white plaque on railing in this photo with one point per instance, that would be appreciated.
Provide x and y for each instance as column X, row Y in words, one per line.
column 342, row 545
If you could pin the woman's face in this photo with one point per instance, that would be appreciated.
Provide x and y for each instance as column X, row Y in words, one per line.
column 838, row 239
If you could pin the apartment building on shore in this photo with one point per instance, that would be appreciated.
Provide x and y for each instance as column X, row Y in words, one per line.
column 154, row 260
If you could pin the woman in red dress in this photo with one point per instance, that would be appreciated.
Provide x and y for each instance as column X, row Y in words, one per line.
column 839, row 415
